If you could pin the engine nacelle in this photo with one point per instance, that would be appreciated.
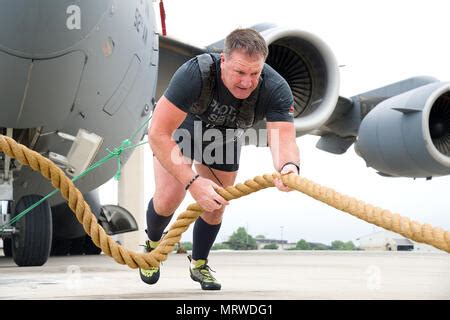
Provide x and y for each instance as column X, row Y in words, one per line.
column 408, row 135
column 311, row 70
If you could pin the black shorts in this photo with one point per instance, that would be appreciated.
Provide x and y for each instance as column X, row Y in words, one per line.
column 216, row 148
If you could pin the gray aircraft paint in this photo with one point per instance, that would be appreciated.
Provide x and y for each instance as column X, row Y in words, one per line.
column 90, row 65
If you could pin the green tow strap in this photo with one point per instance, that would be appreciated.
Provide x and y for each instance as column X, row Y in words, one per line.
column 115, row 153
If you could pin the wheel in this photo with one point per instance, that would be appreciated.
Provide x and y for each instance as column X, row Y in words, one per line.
column 7, row 250
column 31, row 244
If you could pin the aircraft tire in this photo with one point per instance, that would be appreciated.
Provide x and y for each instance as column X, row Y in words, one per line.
column 31, row 245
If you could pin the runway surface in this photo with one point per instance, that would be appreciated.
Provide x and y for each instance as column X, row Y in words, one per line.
column 256, row 275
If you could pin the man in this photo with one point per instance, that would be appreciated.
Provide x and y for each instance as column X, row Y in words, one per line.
column 215, row 92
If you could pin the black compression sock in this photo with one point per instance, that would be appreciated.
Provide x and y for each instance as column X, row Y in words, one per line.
column 155, row 223
column 204, row 236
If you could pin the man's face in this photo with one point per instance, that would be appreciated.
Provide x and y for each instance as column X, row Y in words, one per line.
column 240, row 72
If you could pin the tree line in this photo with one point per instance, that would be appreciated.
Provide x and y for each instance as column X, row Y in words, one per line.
column 241, row 240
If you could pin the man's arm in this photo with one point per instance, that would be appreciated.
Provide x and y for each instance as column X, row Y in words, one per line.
column 166, row 119
column 284, row 149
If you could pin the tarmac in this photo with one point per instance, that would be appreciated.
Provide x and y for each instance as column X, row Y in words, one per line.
column 244, row 275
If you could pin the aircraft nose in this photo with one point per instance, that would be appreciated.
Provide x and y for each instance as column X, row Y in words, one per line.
column 46, row 28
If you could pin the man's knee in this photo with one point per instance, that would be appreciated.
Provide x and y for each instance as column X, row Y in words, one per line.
column 214, row 217
column 166, row 204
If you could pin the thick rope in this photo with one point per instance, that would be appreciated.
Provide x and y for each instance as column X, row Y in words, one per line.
column 416, row 231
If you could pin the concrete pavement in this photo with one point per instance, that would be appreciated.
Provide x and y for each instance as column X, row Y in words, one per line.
column 244, row 275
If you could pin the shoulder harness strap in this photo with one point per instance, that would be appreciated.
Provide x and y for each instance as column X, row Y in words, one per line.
column 208, row 74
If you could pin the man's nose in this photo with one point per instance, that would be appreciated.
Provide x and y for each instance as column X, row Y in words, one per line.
column 246, row 82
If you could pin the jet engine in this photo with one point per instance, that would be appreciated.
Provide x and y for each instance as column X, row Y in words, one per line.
column 409, row 134
column 311, row 70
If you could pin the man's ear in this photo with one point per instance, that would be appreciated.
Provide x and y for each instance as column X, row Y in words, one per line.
column 222, row 57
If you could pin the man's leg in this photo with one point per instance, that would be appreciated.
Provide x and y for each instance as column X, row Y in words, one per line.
column 169, row 193
column 207, row 227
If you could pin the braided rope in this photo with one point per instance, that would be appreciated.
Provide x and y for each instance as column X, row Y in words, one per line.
column 416, row 231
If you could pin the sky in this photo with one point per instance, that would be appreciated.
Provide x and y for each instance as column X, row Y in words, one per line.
column 377, row 43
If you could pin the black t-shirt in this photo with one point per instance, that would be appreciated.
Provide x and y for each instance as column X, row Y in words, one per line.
column 274, row 102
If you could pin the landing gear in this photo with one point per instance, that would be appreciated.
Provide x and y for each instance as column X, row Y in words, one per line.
column 31, row 242
column 69, row 237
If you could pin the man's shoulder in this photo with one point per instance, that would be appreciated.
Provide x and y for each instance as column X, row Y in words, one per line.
column 193, row 62
column 272, row 78
column 273, row 83
column 188, row 72
column 275, row 90
column 185, row 85
column 191, row 68
column 190, row 65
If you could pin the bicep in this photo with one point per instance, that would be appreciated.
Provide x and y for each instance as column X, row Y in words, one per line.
column 166, row 118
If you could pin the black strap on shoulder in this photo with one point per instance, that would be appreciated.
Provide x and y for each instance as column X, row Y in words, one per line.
column 208, row 74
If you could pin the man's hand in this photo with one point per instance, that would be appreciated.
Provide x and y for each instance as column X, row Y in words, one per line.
column 202, row 190
column 286, row 169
